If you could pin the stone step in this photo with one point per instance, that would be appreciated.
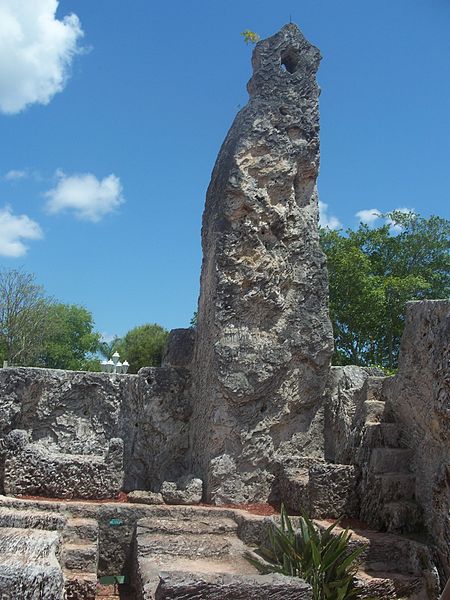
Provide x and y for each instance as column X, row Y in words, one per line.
column 384, row 550
column 29, row 564
column 187, row 545
column 401, row 517
column 79, row 585
column 381, row 435
column 31, row 519
column 176, row 526
column 79, row 530
column 396, row 486
column 373, row 411
column 218, row 586
column 28, row 546
column 389, row 585
column 389, row 460
column 81, row 557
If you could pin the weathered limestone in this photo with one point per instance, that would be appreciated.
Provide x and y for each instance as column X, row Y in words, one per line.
column 179, row 348
column 142, row 497
column 419, row 398
column 29, row 567
column 188, row 490
column 264, row 337
column 77, row 414
column 392, row 566
column 181, row 557
column 33, row 469
column 346, row 397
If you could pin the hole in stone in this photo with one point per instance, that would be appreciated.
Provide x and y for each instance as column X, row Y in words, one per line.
column 149, row 380
column 289, row 61
column 263, row 408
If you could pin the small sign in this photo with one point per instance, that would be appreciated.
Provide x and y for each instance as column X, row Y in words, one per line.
column 115, row 522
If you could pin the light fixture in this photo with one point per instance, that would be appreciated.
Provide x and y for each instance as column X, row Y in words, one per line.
column 113, row 365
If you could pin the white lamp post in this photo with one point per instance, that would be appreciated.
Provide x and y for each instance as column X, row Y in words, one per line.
column 113, row 365
column 115, row 358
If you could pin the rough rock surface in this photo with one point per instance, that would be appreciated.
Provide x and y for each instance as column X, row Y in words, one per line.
column 78, row 413
column 345, row 396
column 188, row 586
column 200, row 553
column 179, row 348
column 419, row 397
column 264, row 338
column 322, row 490
column 188, row 490
column 143, row 497
column 32, row 469
column 29, row 567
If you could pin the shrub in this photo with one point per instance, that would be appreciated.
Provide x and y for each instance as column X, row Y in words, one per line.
column 322, row 558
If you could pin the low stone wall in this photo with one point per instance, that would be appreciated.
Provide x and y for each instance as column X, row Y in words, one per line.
column 419, row 397
column 32, row 469
column 78, row 413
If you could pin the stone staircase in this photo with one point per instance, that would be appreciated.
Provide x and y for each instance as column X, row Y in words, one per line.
column 76, row 546
column 414, row 578
column 80, row 558
column 181, row 557
column 387, row 488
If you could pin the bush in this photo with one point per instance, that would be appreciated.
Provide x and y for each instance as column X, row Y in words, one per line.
column 322, row 558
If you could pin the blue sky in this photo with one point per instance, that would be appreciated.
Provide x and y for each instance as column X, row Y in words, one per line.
column 111, row 129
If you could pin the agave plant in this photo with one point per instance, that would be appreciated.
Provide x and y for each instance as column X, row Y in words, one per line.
column 322, row 558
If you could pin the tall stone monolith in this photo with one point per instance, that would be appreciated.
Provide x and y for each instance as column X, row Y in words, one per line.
column 264, row 337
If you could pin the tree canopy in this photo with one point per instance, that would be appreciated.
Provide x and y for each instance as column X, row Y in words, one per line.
column 143, row 346
column 70, row 341
column 37, row 331
column 23, row 316
column 373, row 273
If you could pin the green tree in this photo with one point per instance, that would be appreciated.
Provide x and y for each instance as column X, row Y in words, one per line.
column 23, row 317
column 107, row 349
column 373, row 273
column 143, row 346
column 70, row 342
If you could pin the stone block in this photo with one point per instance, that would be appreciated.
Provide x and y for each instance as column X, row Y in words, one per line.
column 34, row 470
column 144, row 497
column 179, row 349
column 187, row 490
column 180, row 586
column 333, row 490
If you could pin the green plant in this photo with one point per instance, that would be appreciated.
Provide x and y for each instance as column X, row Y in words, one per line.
column 250, row 37
column 322, row 558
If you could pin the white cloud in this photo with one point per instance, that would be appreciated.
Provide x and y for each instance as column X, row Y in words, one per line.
column 36, row 51
column 14, row 229
column 396, row 226
column 326, row 220
column 368, row 216
column 15, row 174
column 87, row 197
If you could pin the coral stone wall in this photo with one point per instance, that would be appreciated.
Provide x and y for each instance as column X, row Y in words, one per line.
column 419, row 396
column 79, row 413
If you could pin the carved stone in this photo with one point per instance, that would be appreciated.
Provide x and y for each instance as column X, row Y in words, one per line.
column 264, row 337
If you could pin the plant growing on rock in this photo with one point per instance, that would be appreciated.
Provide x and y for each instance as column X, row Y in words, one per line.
column 250, row 37
column 322, row 558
